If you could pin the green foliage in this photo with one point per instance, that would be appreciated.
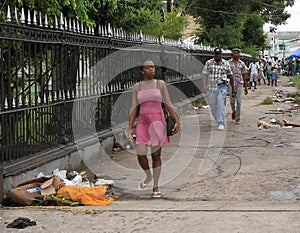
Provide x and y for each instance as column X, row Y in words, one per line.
column 296, row 100
column 293, row 94
column 173, row 25
column 223, row 37
column 253, row 33
column 200, row 103
column 252, row 50
column 296, row 81
column 240, row 23
column 267, row 101
column 131, row 16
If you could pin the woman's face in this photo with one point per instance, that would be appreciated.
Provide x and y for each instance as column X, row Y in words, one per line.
column 148, row 69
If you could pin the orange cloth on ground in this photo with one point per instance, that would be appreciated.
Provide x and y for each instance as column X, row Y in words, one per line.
column 92, row 196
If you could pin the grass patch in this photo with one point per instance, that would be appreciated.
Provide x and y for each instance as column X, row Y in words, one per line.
column 297, row 100
column 267, row 101
column 200, row 103
column 296, row 80
column 293, row 94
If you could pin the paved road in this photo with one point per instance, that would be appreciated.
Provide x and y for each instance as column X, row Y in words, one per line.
column 244, row 179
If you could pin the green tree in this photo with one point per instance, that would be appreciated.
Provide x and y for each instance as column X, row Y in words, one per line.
column 131, row 16
column 243, row 20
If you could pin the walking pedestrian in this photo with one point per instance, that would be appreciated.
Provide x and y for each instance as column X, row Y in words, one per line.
column 151, row 124
column 275, row 72
column 253, row 74
column 261, row 68
column 269, row 72
column 239, row 73
column 215, row 76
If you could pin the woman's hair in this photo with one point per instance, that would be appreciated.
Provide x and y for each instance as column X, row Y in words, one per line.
column 144, row 61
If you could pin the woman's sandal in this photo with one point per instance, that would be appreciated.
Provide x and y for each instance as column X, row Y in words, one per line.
column 143, row 185
column 156, row 195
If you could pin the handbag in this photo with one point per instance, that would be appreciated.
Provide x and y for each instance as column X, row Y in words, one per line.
column 168, row 118
column 170, row 124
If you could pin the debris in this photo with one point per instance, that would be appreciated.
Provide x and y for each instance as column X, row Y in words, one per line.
column 277, row 124
column 278, row 111
column 290, row 123
column 279, row 145
column 104, row 182
column 62, row 200
column 263, row 117
column 21, row 223
column 266, row 125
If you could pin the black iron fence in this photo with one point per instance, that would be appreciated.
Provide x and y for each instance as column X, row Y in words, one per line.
column 62, row 78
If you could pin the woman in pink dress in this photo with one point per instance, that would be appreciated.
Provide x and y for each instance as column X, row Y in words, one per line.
column 151, row 125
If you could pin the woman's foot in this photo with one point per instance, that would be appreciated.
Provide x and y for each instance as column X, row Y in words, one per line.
column 145, row 183
column 156, row 195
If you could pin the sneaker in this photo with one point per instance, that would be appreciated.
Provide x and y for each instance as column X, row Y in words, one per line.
column 233, row 116
column 221, row 127
column 238, row 121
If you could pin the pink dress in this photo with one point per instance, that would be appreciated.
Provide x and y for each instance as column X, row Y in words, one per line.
column 151, row 125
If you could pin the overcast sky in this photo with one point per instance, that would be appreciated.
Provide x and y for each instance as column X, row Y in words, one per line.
column 292, row 22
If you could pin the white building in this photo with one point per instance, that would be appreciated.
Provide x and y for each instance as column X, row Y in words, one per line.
column 282, row 44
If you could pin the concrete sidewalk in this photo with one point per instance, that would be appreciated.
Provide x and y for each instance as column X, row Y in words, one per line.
column 244, row 179
column 163, row 216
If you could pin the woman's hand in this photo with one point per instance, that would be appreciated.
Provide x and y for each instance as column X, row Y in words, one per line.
column 130, row 134
column 175, row 128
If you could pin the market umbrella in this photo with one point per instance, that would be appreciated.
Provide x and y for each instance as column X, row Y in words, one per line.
column 295, row 54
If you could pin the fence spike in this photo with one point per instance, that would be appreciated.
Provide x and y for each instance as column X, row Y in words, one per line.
column 26, row 100
column 22, row 15
column 34, row 18
column 55, row 22
column 46, row 20
column 82, row 27
column 8, row 15
column 16, row 14
column 68, row 94
column 5, row 103
column 39, row 100
column 13, row 103
column 61, row 21
column 66, row 23
column 40, row 15
column 78, row 27
column 74, row 26
column 28, row 17
column 109, row 32
column 20, row 102
column 99, row 30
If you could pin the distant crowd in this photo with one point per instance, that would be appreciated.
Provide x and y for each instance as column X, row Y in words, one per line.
column 267, row 70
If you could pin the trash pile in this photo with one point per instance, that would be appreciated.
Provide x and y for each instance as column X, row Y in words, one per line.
column 278, row 117
column 62, row 188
